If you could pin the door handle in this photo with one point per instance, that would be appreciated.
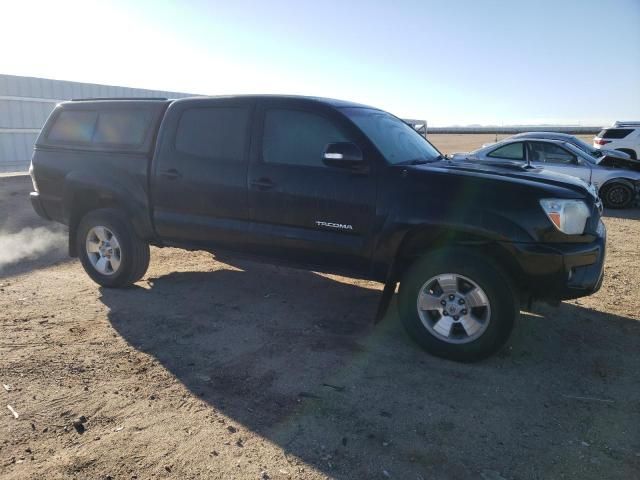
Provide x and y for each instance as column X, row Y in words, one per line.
column 171, row 174
column 263, row 184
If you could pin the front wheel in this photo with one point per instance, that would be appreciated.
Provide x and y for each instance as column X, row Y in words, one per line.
column 617, row 195
column 457, row 305
column 110, row 251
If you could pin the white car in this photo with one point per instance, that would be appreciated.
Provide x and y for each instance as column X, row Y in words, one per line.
column 617, row 187
column 623, row 136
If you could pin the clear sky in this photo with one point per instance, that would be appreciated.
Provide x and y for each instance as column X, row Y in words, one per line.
column 450, row 62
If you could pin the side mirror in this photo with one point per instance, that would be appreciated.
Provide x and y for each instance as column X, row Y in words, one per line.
column 343, row 155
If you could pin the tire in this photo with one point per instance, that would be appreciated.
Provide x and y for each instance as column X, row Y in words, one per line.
column 475, row 332
column 617, row 195
column 124, row 257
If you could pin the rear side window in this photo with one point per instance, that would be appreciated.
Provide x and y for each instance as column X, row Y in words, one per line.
column 73, row 126
column 121, row 127
column 511, row 151
column 218, row 133
column 295, row 137
column 615, row 133
column 126, row 127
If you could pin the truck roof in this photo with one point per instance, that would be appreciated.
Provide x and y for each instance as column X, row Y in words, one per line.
column 115, row 120
column 327, row 101
column 101, row 100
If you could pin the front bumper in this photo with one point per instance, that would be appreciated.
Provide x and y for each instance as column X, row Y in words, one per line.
column 561, row 271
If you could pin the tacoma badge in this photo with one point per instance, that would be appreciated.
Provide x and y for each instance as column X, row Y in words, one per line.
column 334, row 225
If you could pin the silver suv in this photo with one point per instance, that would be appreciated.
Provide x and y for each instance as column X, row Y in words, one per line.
column 623, row 136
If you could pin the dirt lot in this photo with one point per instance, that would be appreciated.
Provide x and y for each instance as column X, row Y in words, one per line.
column 214, row 368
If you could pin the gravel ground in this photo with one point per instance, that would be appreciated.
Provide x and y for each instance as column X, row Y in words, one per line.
column 215, row 368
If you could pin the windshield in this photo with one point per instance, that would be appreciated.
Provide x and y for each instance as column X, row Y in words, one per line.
column 581, row 153
column 397, row 141
column 585, row 147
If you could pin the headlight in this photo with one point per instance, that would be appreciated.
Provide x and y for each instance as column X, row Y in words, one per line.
column 568, row 216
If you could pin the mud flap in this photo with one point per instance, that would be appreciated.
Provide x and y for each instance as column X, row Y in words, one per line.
column 385, row 299
column 73, row 247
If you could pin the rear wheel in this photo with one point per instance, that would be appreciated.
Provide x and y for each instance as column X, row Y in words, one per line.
column 110, row 251
column 457, row 305
column 617, row 195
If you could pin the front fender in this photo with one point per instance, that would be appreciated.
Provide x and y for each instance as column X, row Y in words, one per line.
column 404, row 238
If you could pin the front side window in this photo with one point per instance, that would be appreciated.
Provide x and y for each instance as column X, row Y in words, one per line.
column 296, row 137
column 511, row 151
column 550, row 153
column 397, row 141
column 217, row 133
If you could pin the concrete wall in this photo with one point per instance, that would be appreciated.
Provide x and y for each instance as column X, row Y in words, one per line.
column 26, row 102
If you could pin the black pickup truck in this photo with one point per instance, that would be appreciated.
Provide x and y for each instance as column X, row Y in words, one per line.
column 327, row 185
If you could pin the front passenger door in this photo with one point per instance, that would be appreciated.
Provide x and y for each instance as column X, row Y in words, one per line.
column 300, row 208
column 557, row 159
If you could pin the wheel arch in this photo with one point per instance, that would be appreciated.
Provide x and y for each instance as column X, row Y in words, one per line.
column 632, row 184
column 625, row 181
column 83, row 195
column 420, row 242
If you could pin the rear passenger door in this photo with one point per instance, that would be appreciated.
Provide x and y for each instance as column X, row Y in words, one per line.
column 199, row 184
column 301, row 209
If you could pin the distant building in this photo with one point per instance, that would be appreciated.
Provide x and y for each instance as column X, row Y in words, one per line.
column 26, row 102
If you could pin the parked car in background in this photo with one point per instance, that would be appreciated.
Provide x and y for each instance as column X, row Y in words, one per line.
column 618, row 187
column 623, row 136
column 605, row 157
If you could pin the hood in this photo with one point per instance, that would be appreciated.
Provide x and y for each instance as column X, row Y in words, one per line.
column 621, row 163
column 460, row 156
column 512, row 170
column 616, row 154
